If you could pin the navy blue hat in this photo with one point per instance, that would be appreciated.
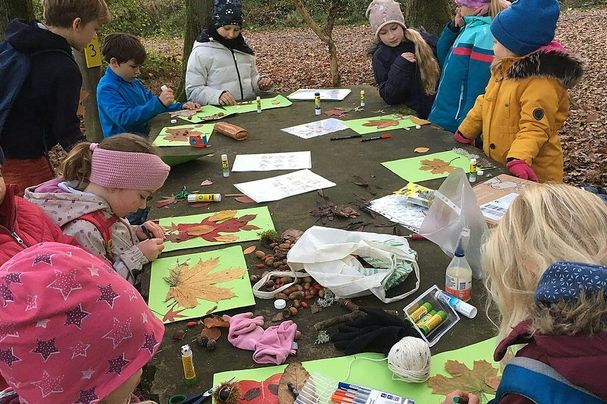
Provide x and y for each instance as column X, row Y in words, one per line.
column 527, row 25
column 227, row 12
column 567, row 280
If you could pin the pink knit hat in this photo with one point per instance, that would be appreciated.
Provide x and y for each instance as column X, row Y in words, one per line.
column 127, row 170
column 71, row 329
column 384, row 12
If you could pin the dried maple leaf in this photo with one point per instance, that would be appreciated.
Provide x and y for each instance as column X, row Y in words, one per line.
column 188, row 284
column 336, row 112
column 172, row 315
column 294, row 375
column 436, row 166
column 180, row 135
column 470, row 380
column 381, row 123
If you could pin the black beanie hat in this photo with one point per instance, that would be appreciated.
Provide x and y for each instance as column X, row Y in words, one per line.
column 227, row 12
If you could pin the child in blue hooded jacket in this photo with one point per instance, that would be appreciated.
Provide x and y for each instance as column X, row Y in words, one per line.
column 124, row 104
column 465, row 53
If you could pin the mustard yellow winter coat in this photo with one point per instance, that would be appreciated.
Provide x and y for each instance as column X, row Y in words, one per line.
column 524, row 106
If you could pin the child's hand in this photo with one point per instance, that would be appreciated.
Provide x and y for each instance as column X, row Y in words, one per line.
column 265, row 83
column 463, row 396
column 151, row 248
column 153, row 229
column 458, row 20
column 521, row 169
column 226, row 98
column 166, row 96
column 459, row 138
column 191, row 105
column 409, row 56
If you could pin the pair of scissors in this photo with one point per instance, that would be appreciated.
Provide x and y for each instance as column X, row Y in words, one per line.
column 195, row 399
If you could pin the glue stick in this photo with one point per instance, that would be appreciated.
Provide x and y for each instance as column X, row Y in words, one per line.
column 258, row 100
column 425, row 318
column 472, row 175
column 204, row 198
column 421, row 311
column 434, row 322
column 363, row 102
column 225, row 166
column 188, row 365
column 316, row 103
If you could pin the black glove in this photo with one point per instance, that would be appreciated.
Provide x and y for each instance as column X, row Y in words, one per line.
column 378, row 331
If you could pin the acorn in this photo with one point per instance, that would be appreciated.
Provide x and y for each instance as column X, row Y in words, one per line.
column 211, row 345
column 254, row 278
column 260, row 254
column 293, row 311
column 178, row 335
column 202, row 340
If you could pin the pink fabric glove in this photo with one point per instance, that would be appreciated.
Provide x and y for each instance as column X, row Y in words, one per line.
column 521, row 169
column 458, row 137
column 245, row 330
column 276, row 343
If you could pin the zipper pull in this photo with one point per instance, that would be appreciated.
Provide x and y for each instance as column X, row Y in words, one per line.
column 18, row 239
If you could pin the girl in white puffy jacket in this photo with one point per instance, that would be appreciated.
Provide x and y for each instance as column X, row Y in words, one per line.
column 221, row 68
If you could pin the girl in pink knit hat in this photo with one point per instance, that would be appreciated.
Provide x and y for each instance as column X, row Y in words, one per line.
column 71, row 329
column 103, row 183
column 404, row 63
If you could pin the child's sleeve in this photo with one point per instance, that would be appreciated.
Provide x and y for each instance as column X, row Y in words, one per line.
column 445, row 42
column 149, row 95
column 394, row 81
column 539, row 106
column 472, row 125
column 255, row 76
column 119, row 111
column 196, row 79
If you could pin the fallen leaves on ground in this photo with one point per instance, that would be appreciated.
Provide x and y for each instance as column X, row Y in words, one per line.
column 473, row 380
column 190, row 283
column 436, row 166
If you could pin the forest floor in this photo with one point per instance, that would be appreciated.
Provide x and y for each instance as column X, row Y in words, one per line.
column 295, row 58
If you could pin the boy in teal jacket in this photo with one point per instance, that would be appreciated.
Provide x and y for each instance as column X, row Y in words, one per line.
column 124, row 104
column 465, row 53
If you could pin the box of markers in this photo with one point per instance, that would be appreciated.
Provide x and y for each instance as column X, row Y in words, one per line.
column 354, row 394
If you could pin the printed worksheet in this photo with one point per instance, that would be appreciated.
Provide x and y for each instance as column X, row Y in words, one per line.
column 316, row 128
column 396, row 208
column 273, row 161
column 283, row 186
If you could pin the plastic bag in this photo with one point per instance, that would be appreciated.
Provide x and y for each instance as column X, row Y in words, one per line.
column 454, row 208
column 336, row 259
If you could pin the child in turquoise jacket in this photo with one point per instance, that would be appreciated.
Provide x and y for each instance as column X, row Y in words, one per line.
column 465, row 53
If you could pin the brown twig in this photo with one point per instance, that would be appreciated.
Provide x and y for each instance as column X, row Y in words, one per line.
column 355, row 315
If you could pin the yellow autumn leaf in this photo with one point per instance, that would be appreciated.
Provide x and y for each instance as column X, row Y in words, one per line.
column 226, row 238
column 223, row 216
column 200, row 230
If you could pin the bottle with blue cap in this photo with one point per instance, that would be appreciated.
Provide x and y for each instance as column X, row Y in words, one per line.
column 458, row 278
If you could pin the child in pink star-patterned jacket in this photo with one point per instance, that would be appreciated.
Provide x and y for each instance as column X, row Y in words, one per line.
column 71, row 329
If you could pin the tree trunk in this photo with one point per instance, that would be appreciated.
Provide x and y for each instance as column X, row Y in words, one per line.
column 198, row 17
column 430, row 15
column 10, row 9
column 90, row 79
column 324, row 34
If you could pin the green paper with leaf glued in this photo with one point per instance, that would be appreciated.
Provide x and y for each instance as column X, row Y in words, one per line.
column 382, row 123
column 179, row 135
column 250, row 106
column 337, row 369
column 223, row 227
column 206, row 113
column 189, row 286
column 429, row 166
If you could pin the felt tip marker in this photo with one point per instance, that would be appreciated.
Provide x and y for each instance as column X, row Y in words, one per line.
column 147, row 233
column 367, row 139
column 348, row 386
column 351, row 395
column 346, row 137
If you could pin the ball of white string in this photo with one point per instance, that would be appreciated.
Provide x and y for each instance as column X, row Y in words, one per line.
column 409, row 360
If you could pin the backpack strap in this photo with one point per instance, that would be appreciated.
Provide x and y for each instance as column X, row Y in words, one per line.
column 522, row 376
column 103, row 225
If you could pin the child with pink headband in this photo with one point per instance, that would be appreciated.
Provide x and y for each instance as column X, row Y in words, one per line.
column 103, row 183
column 71, row 329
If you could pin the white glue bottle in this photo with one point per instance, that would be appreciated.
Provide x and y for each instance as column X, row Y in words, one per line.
column 458, row 278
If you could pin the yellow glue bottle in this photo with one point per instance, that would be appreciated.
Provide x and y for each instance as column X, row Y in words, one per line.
column 204, row 198
column 363, row 102
column 188, row 365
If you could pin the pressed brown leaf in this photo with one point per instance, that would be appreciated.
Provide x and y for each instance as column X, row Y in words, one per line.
column 421, row 149
column 436, row 166
column 462, row 378
column 180, row 135
column 336, row 112
column 215, row 321
column 244, row 199
column 381, row 123
column 211, row 333
column 249, row 250
column 294, row 375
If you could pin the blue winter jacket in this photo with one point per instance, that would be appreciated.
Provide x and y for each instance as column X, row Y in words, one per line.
column 127, row 106
column 399, row 80
column 465, row 58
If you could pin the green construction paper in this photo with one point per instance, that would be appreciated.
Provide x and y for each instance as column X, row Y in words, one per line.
column 251, row 106
column 207, row 113
column 360, row 369
column 263, row 220
column 231, row 257
column 409, row 168
column 357, row 125
column 204, row 129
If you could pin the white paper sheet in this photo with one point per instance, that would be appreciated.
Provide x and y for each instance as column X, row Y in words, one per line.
column 497, row 208
column 273, row 161
column 396, row 209
column 316, row 128
column 283, row 186
column 329, row 94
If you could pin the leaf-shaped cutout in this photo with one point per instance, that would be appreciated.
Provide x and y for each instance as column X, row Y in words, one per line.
column 222, row 215
column 188, row 284
column 436, row 166
column 470, row 380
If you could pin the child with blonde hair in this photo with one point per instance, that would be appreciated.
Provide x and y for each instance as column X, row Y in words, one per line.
column 526, row 101
column 546, row 271
column 465, row 53
column 103, row 183
column 404, row 63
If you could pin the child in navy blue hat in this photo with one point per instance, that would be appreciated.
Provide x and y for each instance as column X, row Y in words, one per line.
column 526, row 101
column 545, row 268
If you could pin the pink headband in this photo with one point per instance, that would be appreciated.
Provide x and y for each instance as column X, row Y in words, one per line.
column 127, row 170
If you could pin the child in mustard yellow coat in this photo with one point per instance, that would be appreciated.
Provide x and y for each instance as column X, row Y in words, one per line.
column 526, row 101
